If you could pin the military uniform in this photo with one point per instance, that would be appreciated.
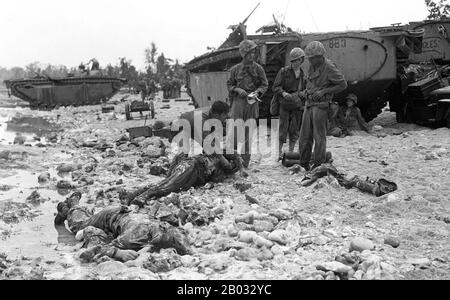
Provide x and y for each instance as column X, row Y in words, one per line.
column 117, row 228
column 314, row 124
column 291, row 111
column 349, row 120
column 185, row 173
column 250, row 78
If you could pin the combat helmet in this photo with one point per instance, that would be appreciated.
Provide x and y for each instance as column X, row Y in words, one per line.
column 246, row 46
column 315, row 48
column 296, row 53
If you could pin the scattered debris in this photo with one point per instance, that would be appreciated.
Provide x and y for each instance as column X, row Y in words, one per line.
column 242, row 186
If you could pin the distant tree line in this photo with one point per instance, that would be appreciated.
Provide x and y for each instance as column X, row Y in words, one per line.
column 159, row 70
column 34, row 69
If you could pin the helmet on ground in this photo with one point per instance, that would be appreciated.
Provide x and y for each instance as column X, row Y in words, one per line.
column 352, row 97
column 315, row 49
column 296, row 53
column 246, row 46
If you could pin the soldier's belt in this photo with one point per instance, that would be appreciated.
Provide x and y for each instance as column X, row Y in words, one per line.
column 320, row 104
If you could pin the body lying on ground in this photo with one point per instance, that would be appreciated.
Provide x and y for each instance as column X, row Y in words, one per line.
column 117, row 232
column 185, row 173
column 377, row 188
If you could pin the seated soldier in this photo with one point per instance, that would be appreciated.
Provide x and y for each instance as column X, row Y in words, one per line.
column 185, row 173
column 349, row 119
column 118, row 233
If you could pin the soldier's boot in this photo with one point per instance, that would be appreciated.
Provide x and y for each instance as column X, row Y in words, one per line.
column 280, row 151
column 307, row 167
column 328, row 160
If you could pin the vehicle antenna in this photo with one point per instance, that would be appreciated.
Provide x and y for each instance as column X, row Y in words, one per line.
column 310, row 13
column 246, row 19
column 285, row 11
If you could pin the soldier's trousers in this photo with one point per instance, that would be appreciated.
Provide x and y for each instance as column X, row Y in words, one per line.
column 290, row 123
column 241, row 110
column 183, row 175
column 313, row 132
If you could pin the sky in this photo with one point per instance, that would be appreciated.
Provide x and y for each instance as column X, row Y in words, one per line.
column 68, row 32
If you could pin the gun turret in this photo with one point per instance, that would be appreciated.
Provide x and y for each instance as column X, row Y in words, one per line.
column 239, row 32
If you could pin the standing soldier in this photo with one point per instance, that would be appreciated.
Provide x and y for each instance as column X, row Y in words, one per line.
column 323, row 81
column 143, row 89
column 95, row 68
column 288, row 87
column 246, row 79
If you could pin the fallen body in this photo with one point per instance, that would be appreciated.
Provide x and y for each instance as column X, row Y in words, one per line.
column 117, row 232
column 377, row 188
column 185, row 173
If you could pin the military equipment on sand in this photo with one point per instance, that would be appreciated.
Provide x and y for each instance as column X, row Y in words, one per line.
column 142, row 131
column 139, row 106
column 442, row 98
column 48, row 93
column 368, row 60
column 428, row 103
column 412, row 96
column 421, row 96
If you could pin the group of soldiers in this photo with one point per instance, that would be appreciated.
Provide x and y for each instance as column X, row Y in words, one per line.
column 94, row 71
column 146, row 88
column 171, row 88
column 304, row 103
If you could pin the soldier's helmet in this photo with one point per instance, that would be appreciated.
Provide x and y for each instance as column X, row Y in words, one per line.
column 315, row 49
column 246, row 46
column 296, row 53
column 352, row 97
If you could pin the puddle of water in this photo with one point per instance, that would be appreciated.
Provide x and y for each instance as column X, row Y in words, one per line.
column 23, row 182
column 26, row 126
column 38, row 237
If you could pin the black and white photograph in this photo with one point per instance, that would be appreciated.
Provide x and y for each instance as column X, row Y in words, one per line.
column 239, row 143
